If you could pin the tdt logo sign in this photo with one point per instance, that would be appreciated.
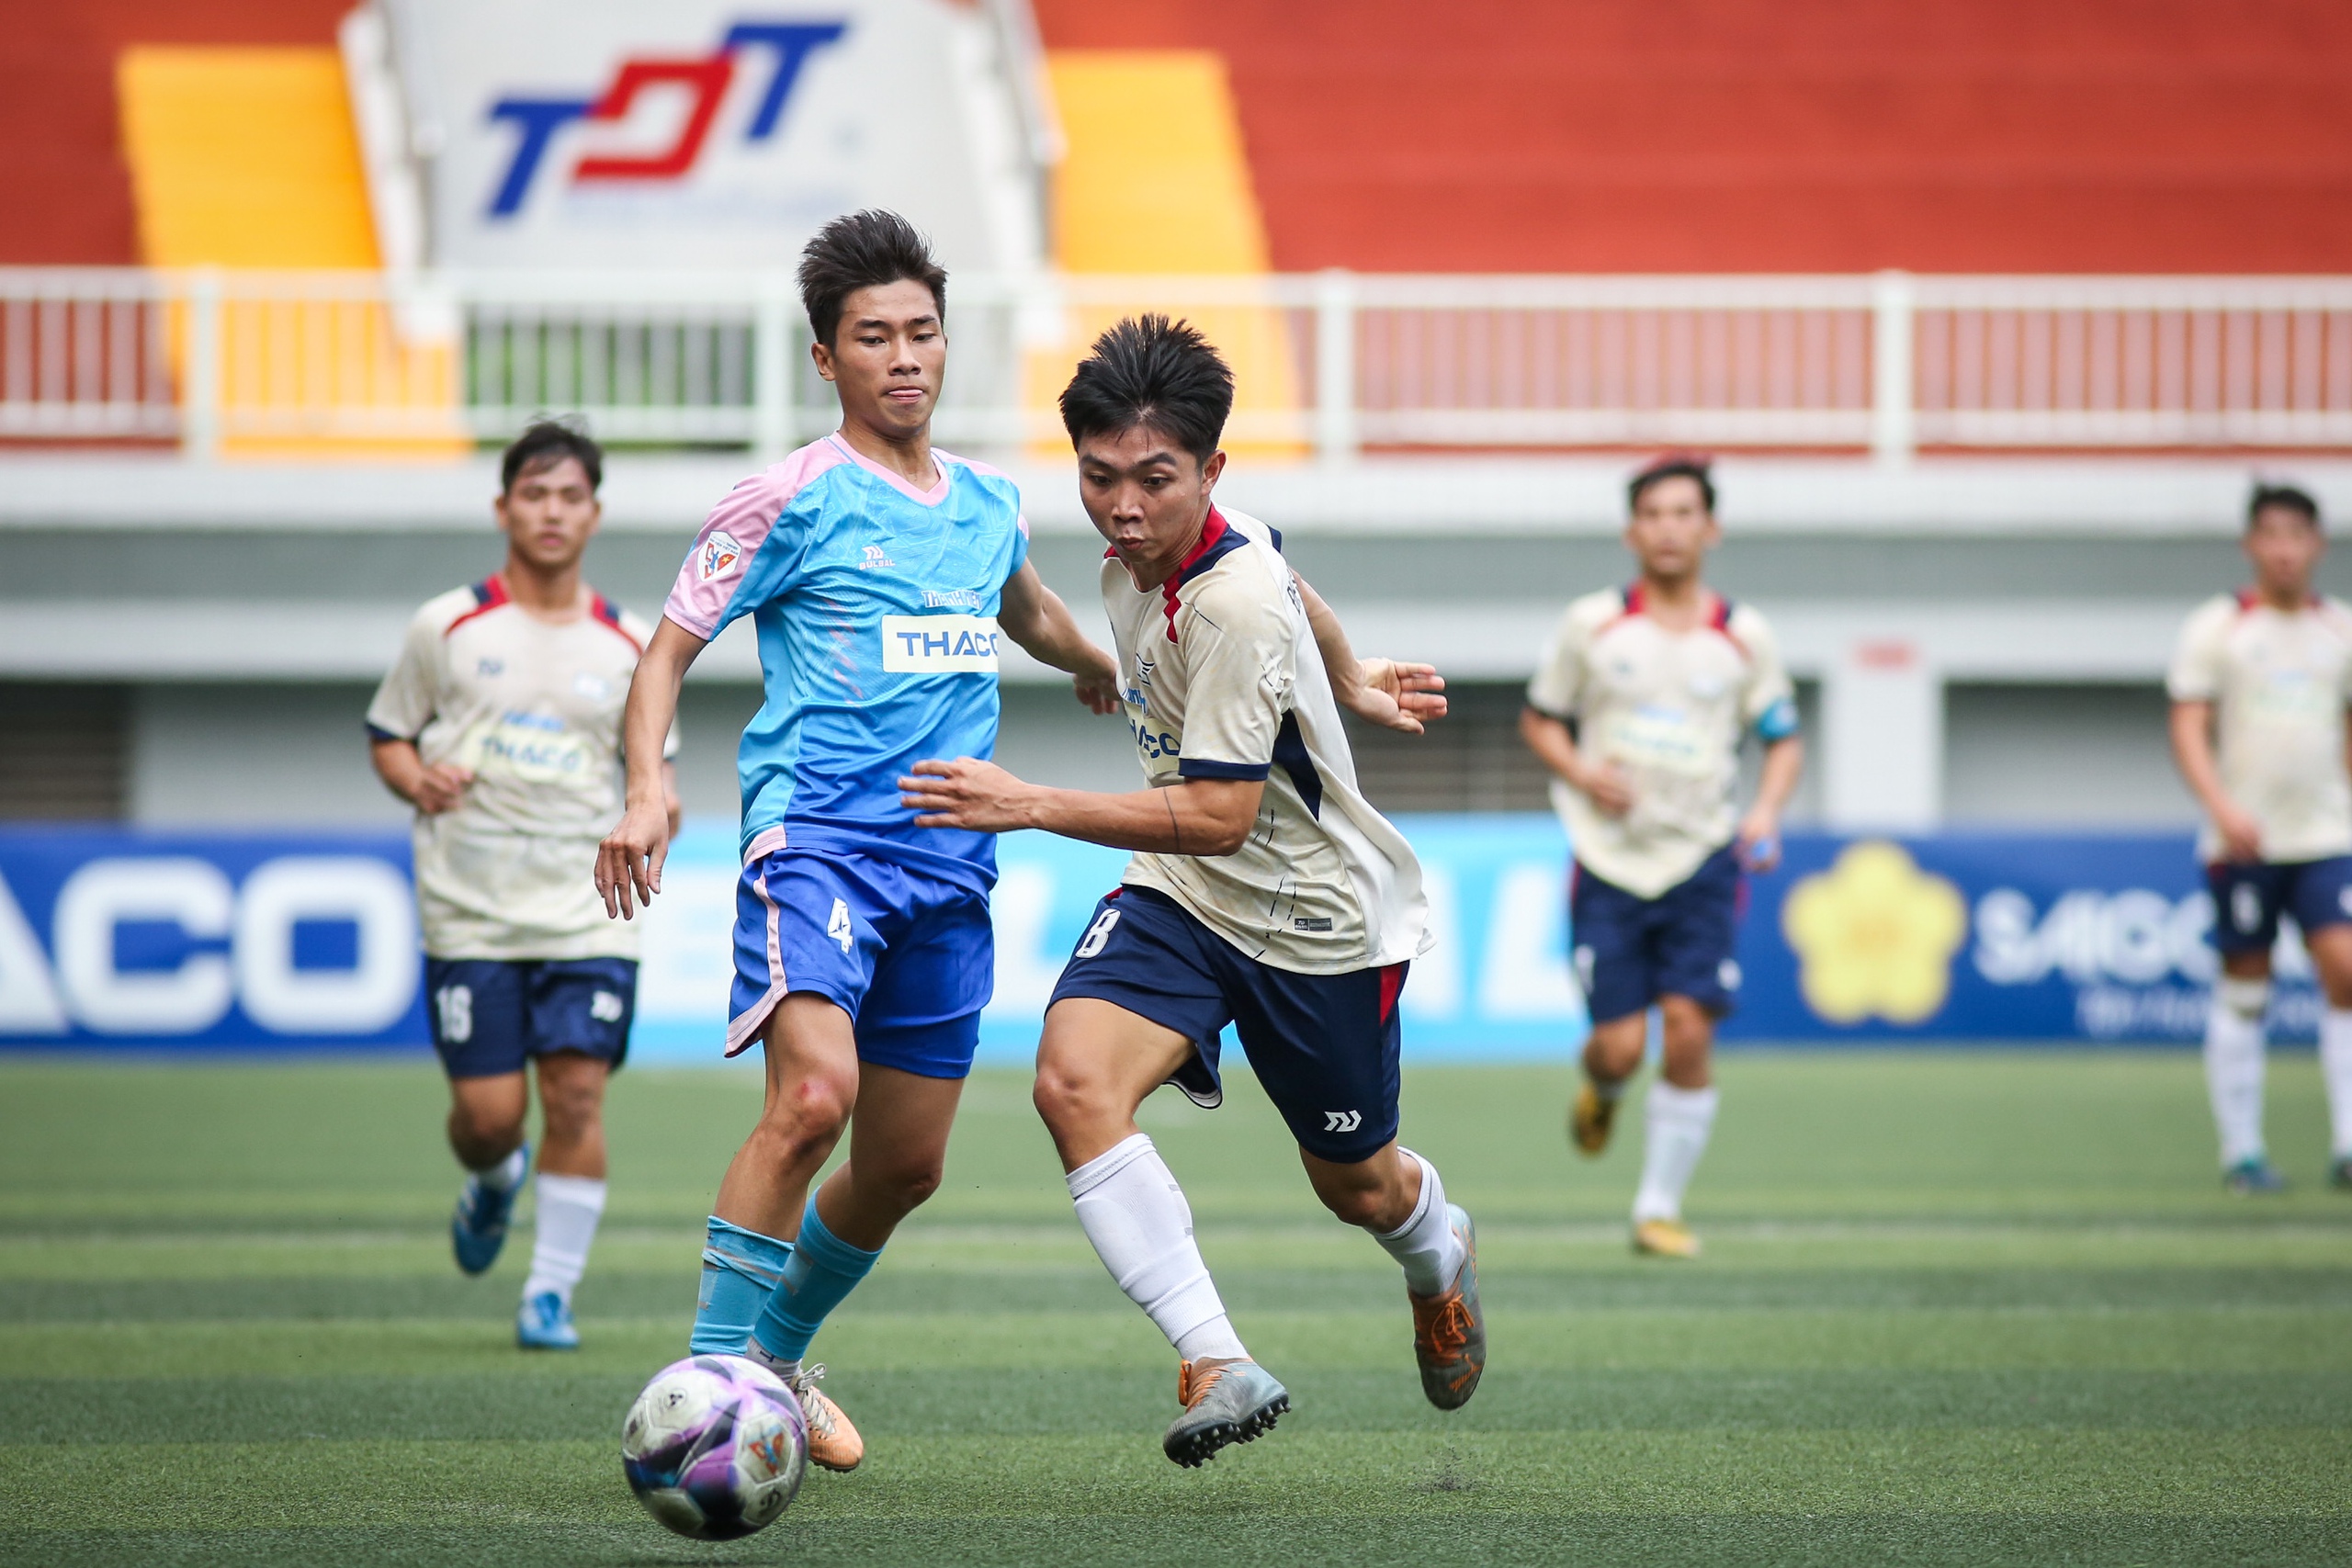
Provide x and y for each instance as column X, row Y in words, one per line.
column 212, row 941
column 704, row 80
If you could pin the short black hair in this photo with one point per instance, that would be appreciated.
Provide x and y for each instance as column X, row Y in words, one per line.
column 864, row 250
column 1675, row 466
column 1148, row 370
column 2289, row 498
column 546, row 443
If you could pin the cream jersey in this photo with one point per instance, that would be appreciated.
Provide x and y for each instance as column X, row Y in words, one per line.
column 1222, row 679
column 1669, row 709
column 2278, row 683
column 533, row 709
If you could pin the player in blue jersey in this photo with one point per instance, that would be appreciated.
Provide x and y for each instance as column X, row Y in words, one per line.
column 880, row 573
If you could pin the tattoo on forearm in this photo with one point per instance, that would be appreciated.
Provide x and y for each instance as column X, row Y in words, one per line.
column 1174, row 831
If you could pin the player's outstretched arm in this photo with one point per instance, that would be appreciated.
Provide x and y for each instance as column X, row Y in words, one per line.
column 1193, row 816
column 2192, row 750
column 628, row 863
column 1556, row 750
column 1035, row 617
column 1385, row 692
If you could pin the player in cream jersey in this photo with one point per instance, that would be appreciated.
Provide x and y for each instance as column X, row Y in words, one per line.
column 1639, row 706
column 1323, row 884
column 501, row 724
column 2259, row 687
column 1265, row 892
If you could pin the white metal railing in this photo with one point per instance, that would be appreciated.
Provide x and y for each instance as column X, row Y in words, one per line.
column 1328, row 364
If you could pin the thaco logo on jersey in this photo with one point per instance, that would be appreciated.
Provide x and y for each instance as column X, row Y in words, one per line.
column 939, row 645
column 784, row 47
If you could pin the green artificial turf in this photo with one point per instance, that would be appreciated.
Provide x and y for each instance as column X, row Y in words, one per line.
column 1957, row 1307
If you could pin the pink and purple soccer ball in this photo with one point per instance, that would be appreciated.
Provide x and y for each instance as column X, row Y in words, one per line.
column 715, row 1447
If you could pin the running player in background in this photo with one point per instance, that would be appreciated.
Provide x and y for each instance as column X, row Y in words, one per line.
column 1265, row 892
column 1638, row 706
column 878, row 573
column 501, row 724
column 2259, row 686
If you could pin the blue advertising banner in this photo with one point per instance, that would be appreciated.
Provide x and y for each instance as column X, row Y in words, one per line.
column 228, row 942
column 207, row 940
column 1991, row 936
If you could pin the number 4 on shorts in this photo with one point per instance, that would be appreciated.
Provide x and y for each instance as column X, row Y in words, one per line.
column 839, row 928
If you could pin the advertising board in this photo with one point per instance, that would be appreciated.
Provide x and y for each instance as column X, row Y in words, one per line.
column 224, row 941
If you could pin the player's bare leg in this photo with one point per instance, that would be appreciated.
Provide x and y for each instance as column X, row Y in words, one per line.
column 1680, row 1114
column 486, row 1134
column 1399, row 1198
column 2331, row 951
column 1613, row 1055
column 571, row 1191
column 1095, row 1065
column 2235, row 1062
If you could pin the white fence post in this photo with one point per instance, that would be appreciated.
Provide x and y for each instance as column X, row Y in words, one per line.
column 773, row 418
column 1335, row 366
column 201, row 374
column 1892, row 393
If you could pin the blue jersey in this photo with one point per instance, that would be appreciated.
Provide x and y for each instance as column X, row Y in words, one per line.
column 876, row 606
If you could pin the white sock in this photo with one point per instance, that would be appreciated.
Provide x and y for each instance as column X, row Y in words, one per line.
column 2234, row 1077
column 569, row 1207
column 1131, row 1208
column 506, row 1175
column 1425, row 1243
column 1679, row 1120
column 786, row 1367
column 2335, row 1066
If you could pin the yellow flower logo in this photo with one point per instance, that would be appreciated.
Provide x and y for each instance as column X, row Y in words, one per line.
column 1874, row 934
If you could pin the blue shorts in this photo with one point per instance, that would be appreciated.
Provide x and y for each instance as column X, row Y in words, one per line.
column 910, row 958
column 2249, row 898
column 1323, row 1045
column 490, row 1016
column 1630, row 951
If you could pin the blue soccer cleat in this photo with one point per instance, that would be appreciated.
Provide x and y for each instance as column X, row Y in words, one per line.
column 545, row 1324
column 2254, row 1178
column 478, row 1229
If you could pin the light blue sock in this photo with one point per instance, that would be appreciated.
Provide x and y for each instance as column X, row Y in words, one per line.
column 740, row 1270
column 822, row 1270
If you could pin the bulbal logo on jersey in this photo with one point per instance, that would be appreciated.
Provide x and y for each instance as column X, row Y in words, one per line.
column 708, row 79
column 719, row 553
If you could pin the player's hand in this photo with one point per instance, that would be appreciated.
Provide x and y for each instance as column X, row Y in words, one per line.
column 1606, row 787
column 978, row 796
column 628, row 863
column 1759, row 842
column 2241, row 834
column 1395, row 694
column 439, row 788
column 1097, row 685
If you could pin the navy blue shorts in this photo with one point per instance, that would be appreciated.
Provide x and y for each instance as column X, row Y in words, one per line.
column 1323, row 1045
column 490, row 1016
column 1630, row 951
column 2249, row 898
column 910, row 958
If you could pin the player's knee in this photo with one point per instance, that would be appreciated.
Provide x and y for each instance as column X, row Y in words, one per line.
column 911, row 1186
column 486, row 1127
column 805, row 1121
column 1356, row 1205
column 1068, row 1098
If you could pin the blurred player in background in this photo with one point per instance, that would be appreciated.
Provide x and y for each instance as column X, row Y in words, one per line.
column 1638, row 706
column 2259, row 685
column 1265, row 892
column 878, row 573
column 501, row 724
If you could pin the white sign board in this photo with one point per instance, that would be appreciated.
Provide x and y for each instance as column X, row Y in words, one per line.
column 710, row 133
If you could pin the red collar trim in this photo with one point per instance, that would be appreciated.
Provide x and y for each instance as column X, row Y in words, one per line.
column 1211, row 532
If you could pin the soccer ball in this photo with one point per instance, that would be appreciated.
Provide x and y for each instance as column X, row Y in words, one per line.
column 715, row 1447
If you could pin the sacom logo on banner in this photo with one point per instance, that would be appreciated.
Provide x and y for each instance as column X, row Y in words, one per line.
column 707, row 78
